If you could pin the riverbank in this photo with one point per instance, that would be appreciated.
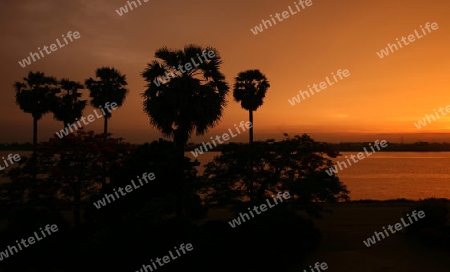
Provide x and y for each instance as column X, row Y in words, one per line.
column 345, row 229
column 349, row 224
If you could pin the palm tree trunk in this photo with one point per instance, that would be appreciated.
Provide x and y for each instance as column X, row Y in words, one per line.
column 251, row 128
column 180, row 140
column 77, row 204
column 250, row 112
column 35, row 129
column 182, row 181
column 105, row 126
column 105, row 131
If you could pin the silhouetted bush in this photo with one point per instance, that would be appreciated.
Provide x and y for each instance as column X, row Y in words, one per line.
column 127, row 246
column 272, row 241
column 432, row 229
column 50, row 252
column 436, row 213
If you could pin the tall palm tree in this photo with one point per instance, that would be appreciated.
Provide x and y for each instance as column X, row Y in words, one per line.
column 35, row 95
column 192, row 100
column 68, row 107
column 250, row 88
column 108, row 87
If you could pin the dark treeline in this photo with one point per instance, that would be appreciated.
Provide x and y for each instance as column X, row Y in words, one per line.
column 17, row 146
column 67, row 175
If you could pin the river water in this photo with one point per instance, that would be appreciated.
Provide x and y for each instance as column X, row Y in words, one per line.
column 390, row 175
column 381, row 176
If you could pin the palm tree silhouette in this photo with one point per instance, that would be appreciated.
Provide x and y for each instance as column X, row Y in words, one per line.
column 193, row 100
column 109, row 87
column 35, row 96
column 67, row 107
column 250, row 88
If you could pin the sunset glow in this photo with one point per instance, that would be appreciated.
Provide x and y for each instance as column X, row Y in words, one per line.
column 382, row 95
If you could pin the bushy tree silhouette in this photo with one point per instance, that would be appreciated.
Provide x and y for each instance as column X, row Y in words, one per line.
column 34, row 95
column 109, row 86
column 67, row 106
column 192, row 101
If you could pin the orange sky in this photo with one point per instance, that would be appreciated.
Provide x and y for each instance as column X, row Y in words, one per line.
column 385, row 95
